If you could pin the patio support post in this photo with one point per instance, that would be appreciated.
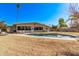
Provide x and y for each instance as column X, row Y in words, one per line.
column 32, row 29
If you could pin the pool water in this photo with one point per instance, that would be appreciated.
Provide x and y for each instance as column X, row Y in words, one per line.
column 54, row 35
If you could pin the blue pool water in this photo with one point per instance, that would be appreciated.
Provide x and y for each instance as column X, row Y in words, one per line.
column 54, row 35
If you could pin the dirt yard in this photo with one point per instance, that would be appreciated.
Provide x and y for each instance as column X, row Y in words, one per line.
column 13, row 45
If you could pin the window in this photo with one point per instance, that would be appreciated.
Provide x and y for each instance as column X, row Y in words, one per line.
column 38, row 28
column 20, row 27
column 27, row 28
column 23, row 28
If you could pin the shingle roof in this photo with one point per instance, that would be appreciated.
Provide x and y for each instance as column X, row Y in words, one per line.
column 32, row 23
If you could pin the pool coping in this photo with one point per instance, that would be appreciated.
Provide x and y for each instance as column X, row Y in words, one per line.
column 26, row 35
column 52, row 37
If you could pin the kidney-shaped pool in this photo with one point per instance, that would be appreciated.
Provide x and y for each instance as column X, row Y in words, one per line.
column 65, row 36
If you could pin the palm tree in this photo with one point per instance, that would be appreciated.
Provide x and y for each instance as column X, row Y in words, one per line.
column 17, row 7
column 17, row 17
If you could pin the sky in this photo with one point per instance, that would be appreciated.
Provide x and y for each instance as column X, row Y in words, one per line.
column 46, row 13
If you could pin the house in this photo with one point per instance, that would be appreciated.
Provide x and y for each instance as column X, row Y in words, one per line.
column 30, row 27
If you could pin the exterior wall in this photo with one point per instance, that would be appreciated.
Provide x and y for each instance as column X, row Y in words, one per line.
column 32, row 25
column 8, row 29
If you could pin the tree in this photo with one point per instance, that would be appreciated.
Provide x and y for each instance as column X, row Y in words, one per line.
column 3, row 26
column 74, row 21
column 74, row 15
column 54, row 26
column 62, row 23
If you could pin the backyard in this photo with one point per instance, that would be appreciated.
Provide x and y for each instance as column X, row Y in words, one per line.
column 14, row 44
